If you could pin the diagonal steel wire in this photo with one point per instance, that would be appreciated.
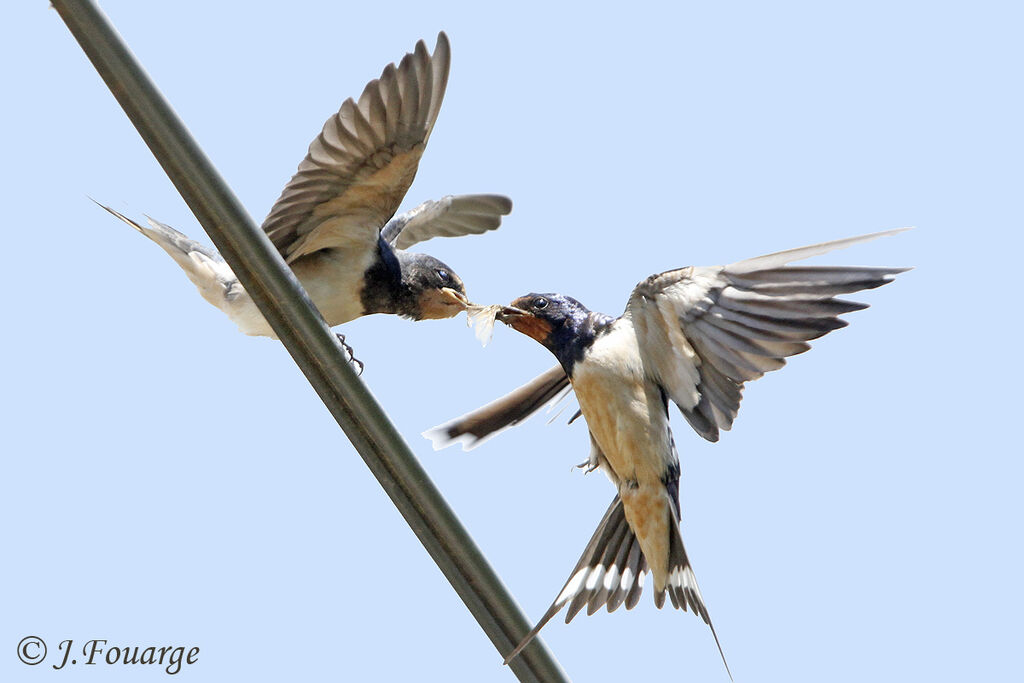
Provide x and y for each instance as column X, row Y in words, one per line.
column 307, row 338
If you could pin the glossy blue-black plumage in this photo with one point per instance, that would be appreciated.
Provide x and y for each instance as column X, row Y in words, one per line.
column 574, row 327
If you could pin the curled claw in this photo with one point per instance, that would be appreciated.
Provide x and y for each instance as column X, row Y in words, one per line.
column 351, row 355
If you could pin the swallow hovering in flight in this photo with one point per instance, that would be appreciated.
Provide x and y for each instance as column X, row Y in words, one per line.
column 692, row 336
column 334, row 222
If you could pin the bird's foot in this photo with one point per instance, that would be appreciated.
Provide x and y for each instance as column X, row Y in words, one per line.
column 356, row 364
column 589, row 464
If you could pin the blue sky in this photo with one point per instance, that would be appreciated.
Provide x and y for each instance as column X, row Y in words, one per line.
column 168, row 481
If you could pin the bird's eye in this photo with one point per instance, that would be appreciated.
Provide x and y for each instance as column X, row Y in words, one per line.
column 444, row 275
column 540, row 303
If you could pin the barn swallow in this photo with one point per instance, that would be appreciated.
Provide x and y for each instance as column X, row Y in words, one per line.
column 693, row 336
column 335, row 222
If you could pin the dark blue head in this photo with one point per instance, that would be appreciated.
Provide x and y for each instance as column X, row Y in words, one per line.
column 564, row 326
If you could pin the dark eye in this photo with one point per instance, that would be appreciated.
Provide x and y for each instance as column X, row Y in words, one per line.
column 540, row 303
column 444, row 275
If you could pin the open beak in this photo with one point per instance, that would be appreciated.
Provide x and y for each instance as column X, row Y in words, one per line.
column 457, row 298
column 509, row 314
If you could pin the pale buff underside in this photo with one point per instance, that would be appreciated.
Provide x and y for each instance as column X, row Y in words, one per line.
column 627, row 419
column 323, row 275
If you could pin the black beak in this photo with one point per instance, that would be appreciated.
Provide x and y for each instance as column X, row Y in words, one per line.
column 509, row 313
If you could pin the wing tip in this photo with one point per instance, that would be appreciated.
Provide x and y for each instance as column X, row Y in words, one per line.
column 786, row 256
column 443, row 42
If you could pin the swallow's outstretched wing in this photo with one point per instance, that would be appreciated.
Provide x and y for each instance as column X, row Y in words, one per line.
column 744, row 319
column 474, row 427
column 468, row 214
column 705, row 331
column 361, row 165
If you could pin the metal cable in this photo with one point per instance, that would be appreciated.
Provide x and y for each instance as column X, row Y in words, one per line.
column 307, row 338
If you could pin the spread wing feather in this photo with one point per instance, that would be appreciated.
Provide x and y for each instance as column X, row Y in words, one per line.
column 475, row 427
column 450, row 216
column 705, row 331
column 361, row 165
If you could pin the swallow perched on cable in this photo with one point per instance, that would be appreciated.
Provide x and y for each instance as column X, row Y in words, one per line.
column 692, row 336
column 335, row 222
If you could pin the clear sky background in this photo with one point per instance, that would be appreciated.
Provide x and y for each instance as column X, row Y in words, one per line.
column 168, row 481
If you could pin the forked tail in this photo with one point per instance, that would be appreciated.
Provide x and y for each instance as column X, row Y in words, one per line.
column 203, row 266
column 611, row 572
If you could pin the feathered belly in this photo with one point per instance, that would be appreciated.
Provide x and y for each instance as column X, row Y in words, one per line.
column 333, row 280
column 626, row 416
column 624, row 412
